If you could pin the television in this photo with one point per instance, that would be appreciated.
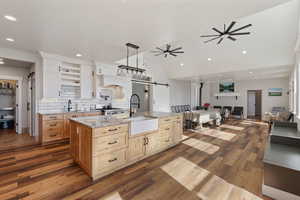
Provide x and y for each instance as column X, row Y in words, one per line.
column 226, row 87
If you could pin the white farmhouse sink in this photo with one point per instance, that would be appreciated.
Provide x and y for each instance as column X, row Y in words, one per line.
column 139, row 125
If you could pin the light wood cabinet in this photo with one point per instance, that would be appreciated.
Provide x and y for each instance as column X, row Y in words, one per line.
column 114, row 141
column 153, row 143
column 178, row 130
column 108, row 161
column 56, row 127
column 51, row 128
column 136, row 148
column 67, row 118
column 81, row 148
column 101, row 151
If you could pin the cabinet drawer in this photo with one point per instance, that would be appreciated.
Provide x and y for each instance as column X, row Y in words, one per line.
column 116, row 141
column 52, row 117
column 166, row 120
column 53, row 125
column 111, row 130
column 109, row 161
column 167, row 127
column 49, row 136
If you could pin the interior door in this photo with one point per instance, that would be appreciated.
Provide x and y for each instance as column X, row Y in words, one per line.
column 251, row 103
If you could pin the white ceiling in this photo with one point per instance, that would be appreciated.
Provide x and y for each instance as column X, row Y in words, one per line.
column 98, row 29
column 271, row 44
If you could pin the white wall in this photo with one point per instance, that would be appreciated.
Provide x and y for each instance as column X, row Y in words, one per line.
column 180, row 92
column 19, row 72
column 242, row 87
column 195, row 86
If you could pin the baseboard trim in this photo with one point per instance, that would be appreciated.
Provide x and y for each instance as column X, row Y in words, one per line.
column 278, row 194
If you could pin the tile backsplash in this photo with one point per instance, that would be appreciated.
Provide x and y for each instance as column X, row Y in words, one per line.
column 60, row 105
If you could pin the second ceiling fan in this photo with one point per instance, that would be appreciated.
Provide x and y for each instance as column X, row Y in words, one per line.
column 168, row 51
column 227, row 33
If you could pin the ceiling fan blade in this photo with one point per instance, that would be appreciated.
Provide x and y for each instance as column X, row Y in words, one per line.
column 217, row 31
column 155, row 51
column 176, row 49
column 224, row 27
column 231, row 38
column 221, row 39
column 166, row 55
column 209, row 35
column 160, row 49
column 173, row 54
column 212, row 39
column 230, row 27
column 177, row 52
column 245, row 33
column 243, row 27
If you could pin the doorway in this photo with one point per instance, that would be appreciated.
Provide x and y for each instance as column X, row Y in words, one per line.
column 254, row 104
column 144, row 91
column 17, row 97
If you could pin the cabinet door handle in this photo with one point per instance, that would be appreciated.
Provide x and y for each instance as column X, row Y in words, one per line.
column 53, row 135
column 115, row 142
column 52, row 125
column 147, row 139
column 52, row 117
column 167, row 129
column 166, row 120
column 112, row 160
column 115, row 129
column 167, row 140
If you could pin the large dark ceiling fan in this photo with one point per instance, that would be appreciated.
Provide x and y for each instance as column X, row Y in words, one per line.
column 227, row 33
column 167, row 51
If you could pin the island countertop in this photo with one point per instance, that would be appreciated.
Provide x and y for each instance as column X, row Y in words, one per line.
column 104, row 121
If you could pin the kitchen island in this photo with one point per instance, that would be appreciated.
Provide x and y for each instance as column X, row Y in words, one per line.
column 101, row 145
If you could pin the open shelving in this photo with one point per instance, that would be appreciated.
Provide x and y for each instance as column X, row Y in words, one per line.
column 70, row 80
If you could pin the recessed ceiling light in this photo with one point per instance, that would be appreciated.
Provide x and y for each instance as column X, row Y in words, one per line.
column 250, row 72
column 209, row 59
column 244, row 52
column 10, row 18
column 181, row 64
column 79, row 55
column 1, row 62
column 10, row 39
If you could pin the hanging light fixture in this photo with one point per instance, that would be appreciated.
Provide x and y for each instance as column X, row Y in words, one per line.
column 138, row 74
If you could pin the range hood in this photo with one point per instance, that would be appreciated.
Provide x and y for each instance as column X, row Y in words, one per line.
column 116, row 84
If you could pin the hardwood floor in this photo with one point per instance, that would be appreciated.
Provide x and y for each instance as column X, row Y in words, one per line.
column 9, row 139
column 234, row 169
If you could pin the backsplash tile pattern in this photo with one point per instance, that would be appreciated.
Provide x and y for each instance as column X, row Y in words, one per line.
column 60, row 105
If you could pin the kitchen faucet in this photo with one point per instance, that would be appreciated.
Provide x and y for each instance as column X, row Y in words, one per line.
column 69, row 105
column 138, row 103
